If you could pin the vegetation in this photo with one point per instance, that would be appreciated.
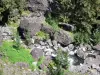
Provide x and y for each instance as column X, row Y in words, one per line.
column 60, row 64
column 14, row 55
column 11, row 9
column 53, row 22
column 82, row 13
column 42, row 35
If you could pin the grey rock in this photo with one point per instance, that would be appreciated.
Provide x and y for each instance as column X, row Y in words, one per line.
column 38, row 5
column 71, row 47
column 42, row 43
column 54, row 42
column 6, row 33
column 48, row 29
column 80, row 53
column 48, row 50
column 49, row 42
column 63, row 37
column 1, row 38
column 60, row 36
column 29, row 27
column 97, row 47
column 48, row 53
column 22, row 65
column 37, row 53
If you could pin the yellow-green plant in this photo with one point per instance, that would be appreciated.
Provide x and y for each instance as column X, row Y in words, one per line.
column 42, row 35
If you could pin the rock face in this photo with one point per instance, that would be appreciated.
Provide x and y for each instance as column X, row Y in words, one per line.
column 6, row 33
column 38, row 5
column 29, row 26
column 32, row 23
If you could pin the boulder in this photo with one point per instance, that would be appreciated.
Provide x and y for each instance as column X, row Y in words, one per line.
column 6, row 33
column 60, row 36
column 37, row 53
column 48, row 29
column 63, row 37
column 97, row 47
column 67, row 27
column 29, row 26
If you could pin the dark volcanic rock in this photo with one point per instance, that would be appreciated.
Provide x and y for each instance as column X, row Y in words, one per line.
column 67, row 27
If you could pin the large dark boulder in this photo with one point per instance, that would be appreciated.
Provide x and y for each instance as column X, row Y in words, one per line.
column 67, row 27
column 29, row 26
column 61, row 36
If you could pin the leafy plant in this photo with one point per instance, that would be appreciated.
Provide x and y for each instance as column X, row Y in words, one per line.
column 27, row 38
column 41, row 35
column 17, row 41
column 60, row 64
column 82, row 38
column 53, row 22
column 96, row 36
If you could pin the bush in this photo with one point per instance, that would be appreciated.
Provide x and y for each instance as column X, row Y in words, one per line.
column 43, row 36
column 14, row 55
column 53, row 22
column 60, row 64
column 96, row 36
column 82, row 13
column 10, row 9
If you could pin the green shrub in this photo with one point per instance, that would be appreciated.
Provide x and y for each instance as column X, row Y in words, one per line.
column 53, row 22
column 15, row 55
column 17, row 41
column 60, row 64
column 82, row 13
column 27, row 38
column 96, row 36
column 10, row 9
column 82, row 38
column 41, row 35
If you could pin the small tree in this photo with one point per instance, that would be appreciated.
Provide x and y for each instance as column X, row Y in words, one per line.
column 7, row 8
